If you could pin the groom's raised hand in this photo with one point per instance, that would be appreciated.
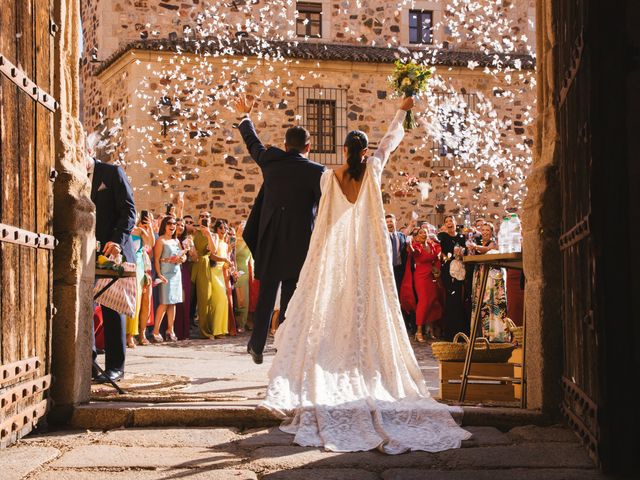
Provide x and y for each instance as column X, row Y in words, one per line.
column 244, row 104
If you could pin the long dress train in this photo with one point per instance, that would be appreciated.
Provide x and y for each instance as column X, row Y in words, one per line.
column 344, row 370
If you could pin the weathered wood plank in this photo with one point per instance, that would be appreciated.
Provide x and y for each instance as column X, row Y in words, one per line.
column 44, row 188
column 26, row 181
column 10, row 171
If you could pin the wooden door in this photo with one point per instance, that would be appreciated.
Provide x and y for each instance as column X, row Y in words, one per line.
column 26, row 212
column 595, row 92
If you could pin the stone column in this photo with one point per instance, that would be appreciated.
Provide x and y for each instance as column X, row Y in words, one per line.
column 74, row 221
column 541, row 231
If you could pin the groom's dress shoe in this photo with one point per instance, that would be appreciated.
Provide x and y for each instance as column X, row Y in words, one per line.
column 110, row 375
column 257, row 357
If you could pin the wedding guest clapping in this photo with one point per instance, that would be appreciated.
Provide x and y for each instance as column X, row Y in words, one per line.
column 168, row 256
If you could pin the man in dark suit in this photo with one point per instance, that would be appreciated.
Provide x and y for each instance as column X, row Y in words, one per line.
column 115, row 218
column 280, row 224
column 399, row 254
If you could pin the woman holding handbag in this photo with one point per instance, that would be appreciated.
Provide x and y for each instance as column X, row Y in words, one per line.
column 424, row 253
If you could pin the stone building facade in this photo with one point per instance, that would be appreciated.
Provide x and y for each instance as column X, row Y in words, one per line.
column 159, row 76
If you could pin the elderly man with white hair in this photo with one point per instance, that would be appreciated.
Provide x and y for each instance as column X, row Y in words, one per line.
column 115, row 218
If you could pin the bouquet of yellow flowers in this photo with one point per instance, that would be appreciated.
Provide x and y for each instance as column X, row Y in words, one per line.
column 409, row 79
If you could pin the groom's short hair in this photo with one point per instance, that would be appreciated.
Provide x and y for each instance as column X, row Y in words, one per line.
column 297, row 138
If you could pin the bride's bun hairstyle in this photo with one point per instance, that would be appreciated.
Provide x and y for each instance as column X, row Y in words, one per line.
column 355, row 143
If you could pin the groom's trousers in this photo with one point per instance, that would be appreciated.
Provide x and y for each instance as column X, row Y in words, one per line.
column 264, row 309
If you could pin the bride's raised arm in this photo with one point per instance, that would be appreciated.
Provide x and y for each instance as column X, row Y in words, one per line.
column 395, row 133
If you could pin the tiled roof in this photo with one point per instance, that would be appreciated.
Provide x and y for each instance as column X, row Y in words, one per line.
column 321, row 51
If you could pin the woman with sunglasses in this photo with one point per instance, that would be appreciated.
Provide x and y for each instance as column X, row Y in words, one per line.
column 167, row 256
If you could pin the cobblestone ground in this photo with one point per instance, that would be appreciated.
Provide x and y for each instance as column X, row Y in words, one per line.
column 551, row 453
column 217, row 371
column 221, row 373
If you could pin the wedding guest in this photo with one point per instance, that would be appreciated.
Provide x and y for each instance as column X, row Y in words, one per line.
column 115, row 218
column 398, row 241
column 191, row 228
column 493, row 309
column 142, row 237
column 230, row 277
column 452, row 243
column 426, row 255
column 182, row 324
column 220, row 274
column 167, row 256
column 209, row 282
column 243, row 265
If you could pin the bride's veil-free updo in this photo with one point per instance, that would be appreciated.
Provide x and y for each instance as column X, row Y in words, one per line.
column 356, row 141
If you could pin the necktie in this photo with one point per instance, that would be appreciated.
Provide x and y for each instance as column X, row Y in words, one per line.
column 394, row 245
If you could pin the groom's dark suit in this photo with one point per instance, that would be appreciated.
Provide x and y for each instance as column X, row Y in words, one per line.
column 280, row 224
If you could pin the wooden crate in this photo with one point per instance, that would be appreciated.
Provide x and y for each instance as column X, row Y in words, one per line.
column 516, row 360
column 478, row 390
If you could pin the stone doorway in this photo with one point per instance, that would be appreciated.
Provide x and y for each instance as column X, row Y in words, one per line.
column 612, row 142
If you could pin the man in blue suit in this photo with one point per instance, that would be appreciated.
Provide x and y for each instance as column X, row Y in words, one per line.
column 279, row 227
column 115, row 218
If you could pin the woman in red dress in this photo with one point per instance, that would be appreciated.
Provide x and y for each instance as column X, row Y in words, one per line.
column 425, row 254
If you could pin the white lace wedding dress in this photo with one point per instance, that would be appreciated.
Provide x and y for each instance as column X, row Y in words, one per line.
column 345, row 373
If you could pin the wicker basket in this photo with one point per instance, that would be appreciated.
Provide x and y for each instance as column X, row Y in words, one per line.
column 516, row 332
column 451, row 351
column 484, row 351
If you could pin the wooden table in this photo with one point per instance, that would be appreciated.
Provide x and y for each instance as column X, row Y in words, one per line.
column 488, row 261
column 114, row 276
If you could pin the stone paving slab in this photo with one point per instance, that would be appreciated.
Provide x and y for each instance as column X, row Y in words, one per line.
column 323, row 474
column 486, row 436
column 115, row 456
column 266, row 437
column 280, row 458
column 18, row 461
column 533, row 433
column 486, row 474
column 200, row 474
column 556, row 455
column 170, row 437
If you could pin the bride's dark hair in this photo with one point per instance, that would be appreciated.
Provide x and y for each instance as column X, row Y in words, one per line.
column 355, row 142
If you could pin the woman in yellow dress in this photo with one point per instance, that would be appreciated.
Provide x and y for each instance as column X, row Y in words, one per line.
column 209, row 280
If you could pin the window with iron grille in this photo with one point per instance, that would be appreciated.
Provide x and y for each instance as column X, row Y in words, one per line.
column 449, row 141
column 309, row 20
column 420, row 26
column 323, row 112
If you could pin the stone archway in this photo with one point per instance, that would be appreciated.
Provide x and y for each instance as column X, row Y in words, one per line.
column 73, row 225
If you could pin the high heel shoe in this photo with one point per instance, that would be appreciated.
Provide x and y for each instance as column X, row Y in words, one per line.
column 420, row 337
column 171, row 336
column 156, row 338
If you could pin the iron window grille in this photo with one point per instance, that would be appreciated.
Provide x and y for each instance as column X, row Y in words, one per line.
column 309, row 19
column 450, row 141
column 421, row 26
column 323, row 112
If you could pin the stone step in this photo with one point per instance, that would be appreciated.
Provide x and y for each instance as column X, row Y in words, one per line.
column 110, row 415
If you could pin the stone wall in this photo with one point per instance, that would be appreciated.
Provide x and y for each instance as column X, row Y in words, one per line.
column 216, row 173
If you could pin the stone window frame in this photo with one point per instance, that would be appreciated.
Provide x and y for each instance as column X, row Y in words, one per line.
column 419, row 26
column 450, row 159
column 337, row 95
column 325, row 23
column 437, row 30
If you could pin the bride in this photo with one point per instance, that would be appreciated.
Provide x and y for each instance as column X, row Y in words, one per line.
column 344, row 372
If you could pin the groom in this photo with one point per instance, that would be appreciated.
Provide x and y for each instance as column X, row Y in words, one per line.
column 280, row 224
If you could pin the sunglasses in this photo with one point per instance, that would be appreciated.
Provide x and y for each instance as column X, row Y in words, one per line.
column 188, row 222
column 171, row 223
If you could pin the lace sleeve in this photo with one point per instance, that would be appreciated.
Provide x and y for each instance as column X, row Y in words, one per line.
column 391, row 139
